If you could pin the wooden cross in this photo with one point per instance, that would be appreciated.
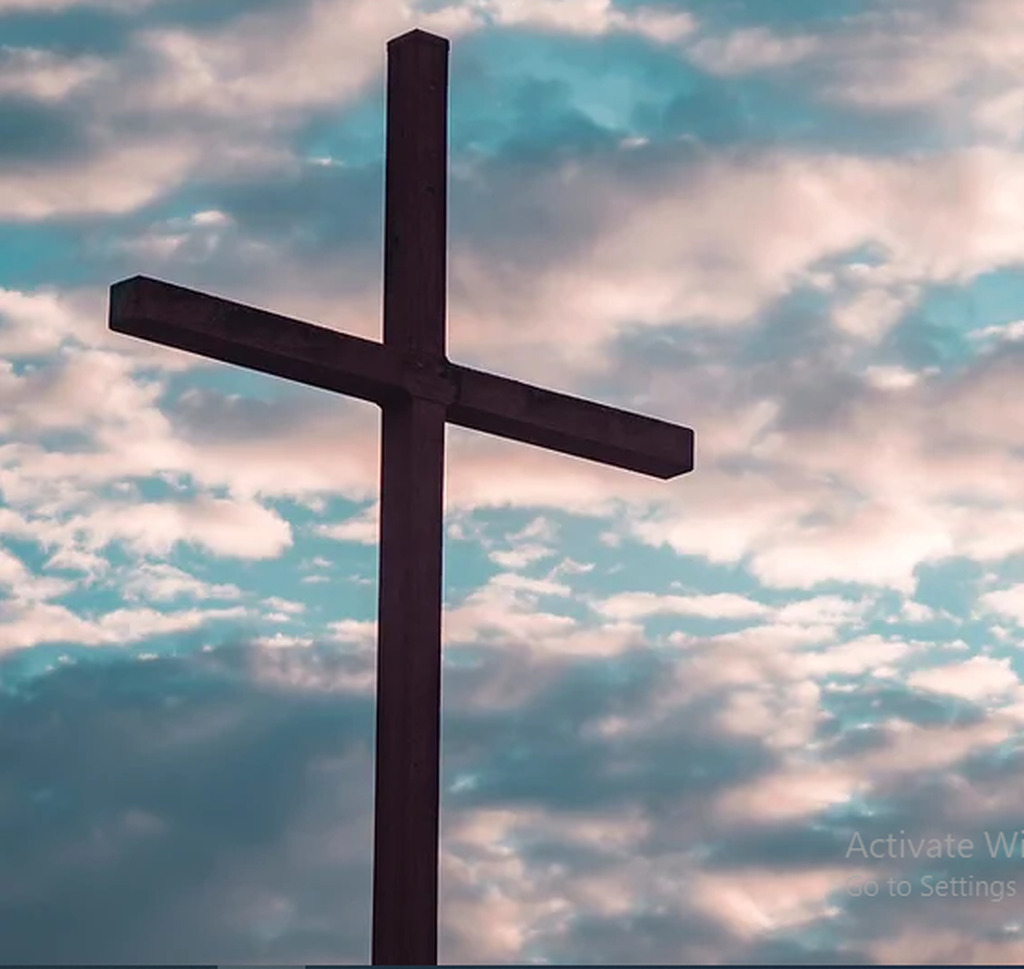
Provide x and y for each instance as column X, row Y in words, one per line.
column 418, row 390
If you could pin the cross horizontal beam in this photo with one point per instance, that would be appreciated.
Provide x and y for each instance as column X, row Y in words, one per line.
column 232, row 332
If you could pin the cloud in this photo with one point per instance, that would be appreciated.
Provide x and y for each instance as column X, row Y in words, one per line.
column 111, row 184
column 598, row 781
column 750, row 903
column 680, row 237
column 977, row 678
column 360, row 632
column 228, row 813
column 1006, row 602
column 634, row 605
column 43, row 74
column 75, row 389
column 362, row 528
column 243, row 529
column 933, row 944
column 7, row 6
column 948, row 60
column 749, row 50
column 786, row 545
column 938, row 52
column 163, row 582
column 33, row 323
column 282, row 641
column 609, row 845
column 630, row 208
column 849, row 512
column 587, row 17
column 534, row 542
column 27, row 623
column 506, row 607
column 23, row 584
column 260, row 74
column 285, row 605
column 269, row 61
column 866, row 654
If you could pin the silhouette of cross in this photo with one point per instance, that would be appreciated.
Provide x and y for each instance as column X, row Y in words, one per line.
column 418, row 389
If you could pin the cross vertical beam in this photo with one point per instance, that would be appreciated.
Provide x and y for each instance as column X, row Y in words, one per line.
column 406, row 808
column 416, row 193
column 418, row 390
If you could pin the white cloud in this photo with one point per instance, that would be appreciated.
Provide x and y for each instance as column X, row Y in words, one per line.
column 953, row 60
column 783, row 715
column 27, row 624
column 528, row 589
column 505, row 613
column 268, row 61
column 75, row 389
column 532, row 543
column 719, row 212
column 233, row 528
column 362, row 633
column 163, row 582
column 78, row 560
column 287, row 661
column 916, row 612
column 23, row 584
column 285, row 605
column 1006, row 602
column 872, row 312
column 589, row 17
column 750, row 49
column 127, row 625
column 283, row 641
column 521, row 557
column 635, row 605
column 1009, row 332
column 891, row 378
column 831, row 610
column 978, row 678
column 42, row 74
column 33, row 323
column 718, row 236
column 363, row 528
column 498, row 900
column 804, row 786
column 873, row 545
column 257, row 76
column 862, row 655
column 752, row 901
column 115, row 181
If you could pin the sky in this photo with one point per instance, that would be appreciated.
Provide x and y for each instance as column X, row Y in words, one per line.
column 770, row 711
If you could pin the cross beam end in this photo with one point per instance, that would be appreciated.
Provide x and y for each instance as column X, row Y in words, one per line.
column 418, row 36
column 231, row 332
column 571, row 425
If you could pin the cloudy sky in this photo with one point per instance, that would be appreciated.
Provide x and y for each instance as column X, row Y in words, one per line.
column 671, row 708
